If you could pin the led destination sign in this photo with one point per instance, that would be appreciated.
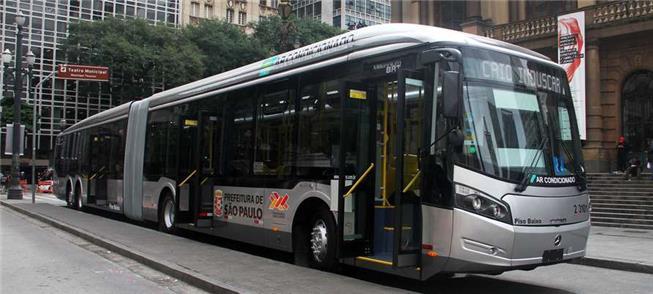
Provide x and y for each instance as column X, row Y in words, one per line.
column 501, row 72
column 514, row 70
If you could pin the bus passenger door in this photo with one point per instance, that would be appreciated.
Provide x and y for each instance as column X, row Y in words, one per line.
column 209, row 140
column 408, row 140
column 187, row 169
column 356, row 172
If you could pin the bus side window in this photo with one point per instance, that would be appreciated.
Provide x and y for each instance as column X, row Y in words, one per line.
column 319, row 130
column 275, row 120
column 240, row 134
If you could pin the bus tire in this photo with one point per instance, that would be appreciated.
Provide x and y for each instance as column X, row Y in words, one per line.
column 321, row 241
column 167, row 214
column 78, row 198
column 69, row 196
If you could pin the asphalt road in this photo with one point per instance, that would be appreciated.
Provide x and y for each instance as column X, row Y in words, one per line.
column 37, row 258
column 34, row 256
column 556, row 279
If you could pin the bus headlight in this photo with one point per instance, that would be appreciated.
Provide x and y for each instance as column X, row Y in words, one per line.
column 477, row 202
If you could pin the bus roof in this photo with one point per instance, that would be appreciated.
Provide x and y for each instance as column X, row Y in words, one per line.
column 376, row 36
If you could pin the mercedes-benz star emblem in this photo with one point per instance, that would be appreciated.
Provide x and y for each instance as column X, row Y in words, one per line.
column 557, row 240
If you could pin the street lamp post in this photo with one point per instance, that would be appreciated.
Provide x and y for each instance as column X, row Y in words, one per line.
column 15, row 190
column 285, row 9
column 6, row 59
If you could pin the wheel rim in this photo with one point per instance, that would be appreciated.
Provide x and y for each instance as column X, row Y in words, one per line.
column 319, row 240
column 169, row 214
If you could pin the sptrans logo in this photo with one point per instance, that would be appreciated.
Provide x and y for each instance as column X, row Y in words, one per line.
column 277, row 202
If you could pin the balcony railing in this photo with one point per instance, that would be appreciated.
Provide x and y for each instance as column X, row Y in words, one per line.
column 596, row 15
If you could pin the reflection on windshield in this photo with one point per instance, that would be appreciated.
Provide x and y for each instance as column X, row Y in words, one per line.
column 504, row 130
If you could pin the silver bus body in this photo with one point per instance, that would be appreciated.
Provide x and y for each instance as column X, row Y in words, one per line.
column 452, row 239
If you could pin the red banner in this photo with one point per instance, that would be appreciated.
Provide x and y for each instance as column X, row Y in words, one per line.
column 83, row 72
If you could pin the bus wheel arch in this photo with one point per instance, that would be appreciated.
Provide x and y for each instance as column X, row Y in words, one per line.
column 166, row 211
column 312, row 220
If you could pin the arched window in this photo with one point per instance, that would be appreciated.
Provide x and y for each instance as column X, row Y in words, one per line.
column 637, row 107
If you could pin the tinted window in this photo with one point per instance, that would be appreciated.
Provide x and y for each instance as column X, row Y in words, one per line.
column 275, row 120
column 240, row 134
column 319, row 130
column 160, row 145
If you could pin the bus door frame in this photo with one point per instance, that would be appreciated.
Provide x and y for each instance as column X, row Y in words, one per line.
column 412, row 257
column 364, row 207
column 190, row 179
column 204, row 211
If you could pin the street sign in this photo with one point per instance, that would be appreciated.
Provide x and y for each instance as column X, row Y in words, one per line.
column 9, row 140
column 83, row 72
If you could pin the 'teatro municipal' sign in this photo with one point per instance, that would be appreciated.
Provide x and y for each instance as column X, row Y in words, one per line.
column 83, row 72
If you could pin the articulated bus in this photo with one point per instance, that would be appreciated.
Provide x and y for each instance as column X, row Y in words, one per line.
column 406, row 149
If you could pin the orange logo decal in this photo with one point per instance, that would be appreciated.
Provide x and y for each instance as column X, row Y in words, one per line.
column 277, row 202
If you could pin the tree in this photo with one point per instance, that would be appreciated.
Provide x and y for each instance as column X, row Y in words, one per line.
column 26, row 112
column 305, row 32
column 140, row 56
column 224, row 45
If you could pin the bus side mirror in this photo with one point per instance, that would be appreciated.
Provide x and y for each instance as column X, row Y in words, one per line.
column 452, row 94
column 456, row 140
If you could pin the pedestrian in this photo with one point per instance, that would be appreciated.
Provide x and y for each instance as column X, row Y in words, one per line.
column 621, row 153
column 633, row 168
column 649, row 157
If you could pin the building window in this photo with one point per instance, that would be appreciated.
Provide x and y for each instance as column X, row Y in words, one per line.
column 208, row 11
column 230, row 15
column 536, row 9
column 194, row 9
column 242, row 17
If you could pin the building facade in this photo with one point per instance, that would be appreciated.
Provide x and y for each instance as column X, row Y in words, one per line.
column 59, row 104
column 345, row 14
column 240, row 12
column 619, row 66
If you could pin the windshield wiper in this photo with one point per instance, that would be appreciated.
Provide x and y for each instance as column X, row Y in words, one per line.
column 422, row 150
column 578, row 172
column 523, row 182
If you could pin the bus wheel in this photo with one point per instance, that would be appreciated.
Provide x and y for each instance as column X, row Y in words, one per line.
column 69, row 197
column 322, row 241
column 167, row 215
column 78, row 199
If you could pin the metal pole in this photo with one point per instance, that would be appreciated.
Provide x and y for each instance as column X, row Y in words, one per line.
column 31, row 93
column 36, row 88
column 15, row 191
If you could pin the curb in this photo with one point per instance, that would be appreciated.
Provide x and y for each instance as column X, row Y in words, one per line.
column 615, row 265
column 175, row 271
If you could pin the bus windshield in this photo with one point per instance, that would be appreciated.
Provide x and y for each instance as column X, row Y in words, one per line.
column 518, row 118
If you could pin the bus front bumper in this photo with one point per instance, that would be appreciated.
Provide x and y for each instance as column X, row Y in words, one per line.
column 480, row 244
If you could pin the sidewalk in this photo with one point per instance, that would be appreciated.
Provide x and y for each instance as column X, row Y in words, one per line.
column 211, row 268
column 620, row 248
column 218, row 269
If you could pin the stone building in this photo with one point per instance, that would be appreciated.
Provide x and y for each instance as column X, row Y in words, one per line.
column 240, row 12
column 619, row 65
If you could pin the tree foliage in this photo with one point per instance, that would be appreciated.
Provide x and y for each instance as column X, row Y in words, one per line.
column 26, row 112
column 224, row 45
column 140, row 56
column 303, row 32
